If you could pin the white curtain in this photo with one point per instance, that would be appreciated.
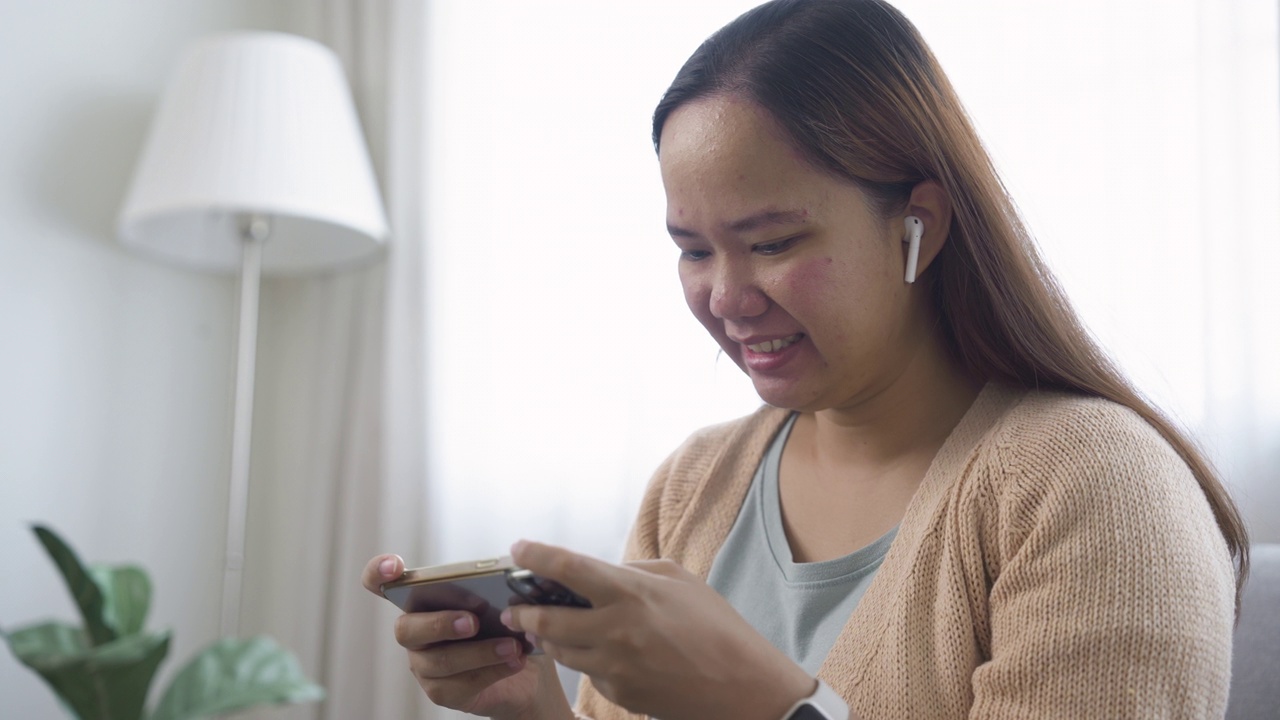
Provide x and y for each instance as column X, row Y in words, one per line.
column 339, row 457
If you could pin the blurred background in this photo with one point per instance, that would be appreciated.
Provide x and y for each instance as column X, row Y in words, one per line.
column 520, row 359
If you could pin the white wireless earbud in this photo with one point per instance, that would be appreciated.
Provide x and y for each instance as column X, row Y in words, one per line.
column 915, row 229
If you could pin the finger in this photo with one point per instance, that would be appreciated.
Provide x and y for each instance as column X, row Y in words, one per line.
column 665, row 568
column 442, row 661
column 415, row 631
column 459, row 691
column 581, row 659
column 576, row 627
column 596, row 580
column 379, row 570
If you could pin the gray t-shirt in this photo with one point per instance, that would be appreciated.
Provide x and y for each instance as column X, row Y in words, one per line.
column 800, row 607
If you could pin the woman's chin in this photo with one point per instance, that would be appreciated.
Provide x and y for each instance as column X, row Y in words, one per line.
column 786, row 395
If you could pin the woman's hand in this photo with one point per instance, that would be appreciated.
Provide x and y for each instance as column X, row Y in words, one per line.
column 491, row 678
column 657, row 640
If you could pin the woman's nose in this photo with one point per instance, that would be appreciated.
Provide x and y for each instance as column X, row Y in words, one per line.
column 735, row 294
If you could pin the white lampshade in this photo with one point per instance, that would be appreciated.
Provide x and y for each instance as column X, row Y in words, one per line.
column 261, row 123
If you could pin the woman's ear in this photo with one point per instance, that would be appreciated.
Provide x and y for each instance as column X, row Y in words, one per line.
column 932, row 205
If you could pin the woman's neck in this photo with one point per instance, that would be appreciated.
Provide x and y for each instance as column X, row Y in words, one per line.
column 909, row 415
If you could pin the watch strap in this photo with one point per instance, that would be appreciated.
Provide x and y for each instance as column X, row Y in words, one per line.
column 824, row 704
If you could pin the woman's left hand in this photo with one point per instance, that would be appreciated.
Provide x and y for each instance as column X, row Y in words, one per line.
column 658, row 640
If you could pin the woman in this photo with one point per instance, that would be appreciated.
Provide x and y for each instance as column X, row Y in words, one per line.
column 952, row 505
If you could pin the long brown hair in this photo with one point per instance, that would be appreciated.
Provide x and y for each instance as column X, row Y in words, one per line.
column 858, row 91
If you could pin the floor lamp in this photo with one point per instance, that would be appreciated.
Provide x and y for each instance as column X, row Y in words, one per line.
column 254, row 163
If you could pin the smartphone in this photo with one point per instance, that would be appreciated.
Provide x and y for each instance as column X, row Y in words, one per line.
column 482, row 587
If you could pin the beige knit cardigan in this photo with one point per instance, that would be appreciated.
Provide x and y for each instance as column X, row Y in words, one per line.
column 1059, row 560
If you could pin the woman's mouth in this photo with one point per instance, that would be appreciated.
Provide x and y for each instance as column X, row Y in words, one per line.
column 773, row 346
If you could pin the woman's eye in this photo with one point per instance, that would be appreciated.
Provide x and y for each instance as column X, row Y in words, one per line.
column 774, row 248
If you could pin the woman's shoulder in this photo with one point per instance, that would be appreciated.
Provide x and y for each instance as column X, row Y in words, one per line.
column 1046, row 433
column 1075, row 507
column 1056, row 458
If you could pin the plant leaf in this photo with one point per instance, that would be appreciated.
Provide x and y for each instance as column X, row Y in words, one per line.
column 47, row 643
column 41, row 643
column 232, row 675
column 84, row 590
column 103, row 682
column 126, row 595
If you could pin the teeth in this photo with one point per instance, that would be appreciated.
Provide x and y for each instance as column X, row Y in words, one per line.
column 772, row 346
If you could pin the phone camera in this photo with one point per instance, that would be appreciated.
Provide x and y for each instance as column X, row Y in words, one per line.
column 541, row 591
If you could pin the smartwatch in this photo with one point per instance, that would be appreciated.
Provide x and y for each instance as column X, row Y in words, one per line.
column 823, row 704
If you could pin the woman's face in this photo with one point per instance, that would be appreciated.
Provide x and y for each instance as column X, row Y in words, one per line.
column 785, row 265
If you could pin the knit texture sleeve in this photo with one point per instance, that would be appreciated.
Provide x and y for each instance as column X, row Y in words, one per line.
column 1111, row 589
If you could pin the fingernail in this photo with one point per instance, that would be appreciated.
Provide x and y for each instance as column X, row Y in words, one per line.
column 505, row 617
column 506, row 648
column 518, row 547
column 387, row 567
column 463, row 627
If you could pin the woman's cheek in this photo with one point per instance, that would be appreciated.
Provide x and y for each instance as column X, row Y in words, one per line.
column 814, row 272
column 804, row 283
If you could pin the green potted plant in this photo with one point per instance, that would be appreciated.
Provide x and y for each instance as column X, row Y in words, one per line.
column 103, row 669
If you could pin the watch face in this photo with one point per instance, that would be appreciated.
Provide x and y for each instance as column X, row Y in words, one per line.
column 808, row 712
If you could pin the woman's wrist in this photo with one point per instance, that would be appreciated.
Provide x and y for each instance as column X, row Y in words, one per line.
column 554, row 712
column 796, row 691
column 770, row 699
column 550, row 709
column 823, row 702
column 550, row 703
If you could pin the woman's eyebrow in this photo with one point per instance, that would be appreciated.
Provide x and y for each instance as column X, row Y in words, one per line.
column 751, row 222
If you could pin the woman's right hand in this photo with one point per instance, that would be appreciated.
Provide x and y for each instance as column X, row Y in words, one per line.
column 491, row 678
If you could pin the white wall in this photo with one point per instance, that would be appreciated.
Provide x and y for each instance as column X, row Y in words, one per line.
column 114, row 371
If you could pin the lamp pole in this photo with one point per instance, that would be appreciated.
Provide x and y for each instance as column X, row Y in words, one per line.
column 254, row 231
